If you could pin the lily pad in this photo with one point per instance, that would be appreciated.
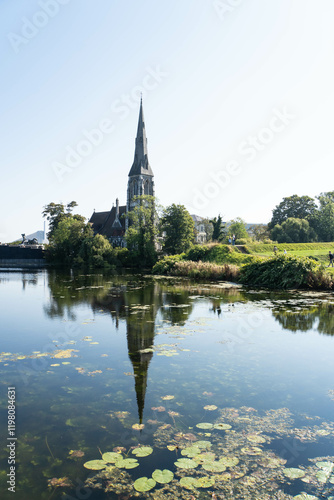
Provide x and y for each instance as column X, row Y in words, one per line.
column 229, row 461
column 127, row 463
column 210, row 407
column 143, row 451
column 191, row 451
column 144, row 484
column 188, row 482
column 163, row 476
column 293, row 473
column 255, row 438
column 95, row 465
column 305, row 496
column 186, row 463
column 214, row 466
column 222, row 427
column 205, row 482
column 204, row 425
column 203, row 444
column 111, row 457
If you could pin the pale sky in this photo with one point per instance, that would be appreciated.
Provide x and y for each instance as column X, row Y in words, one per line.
column 238, row 101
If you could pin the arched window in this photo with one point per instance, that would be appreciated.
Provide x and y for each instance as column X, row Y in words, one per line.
column 147, row 187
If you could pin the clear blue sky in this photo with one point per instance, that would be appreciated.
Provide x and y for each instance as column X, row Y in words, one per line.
column 235, row 90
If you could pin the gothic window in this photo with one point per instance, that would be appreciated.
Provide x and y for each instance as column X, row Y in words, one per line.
column 147, row 187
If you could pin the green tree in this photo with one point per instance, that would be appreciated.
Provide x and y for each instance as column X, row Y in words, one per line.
column 142, row 231
column 294, row 230
column 66, row 240
column 57, row 212
column 218, row 229
column 325, row 217
column 260, row 231
column 297, row 207
column 238, row 227
column 179, row 227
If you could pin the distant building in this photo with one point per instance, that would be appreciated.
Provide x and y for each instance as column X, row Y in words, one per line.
column 112, row 224
column 200, row 228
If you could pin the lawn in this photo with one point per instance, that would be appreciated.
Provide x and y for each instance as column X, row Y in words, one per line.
column 316, row 250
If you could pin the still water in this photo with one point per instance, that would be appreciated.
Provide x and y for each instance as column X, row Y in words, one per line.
column 135, row 386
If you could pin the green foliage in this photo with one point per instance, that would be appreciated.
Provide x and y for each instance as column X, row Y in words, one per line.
column 260, row 232
column 206, row 270
column 178, row 226
column 166, row 265
column 290, row 247
column 57, row 212
column 218, row 232
column 142, row 231
column 284, row 272
column 67, row 239
column 294, row 231
column 238, row 228
column 297, row 207
column 325, row 217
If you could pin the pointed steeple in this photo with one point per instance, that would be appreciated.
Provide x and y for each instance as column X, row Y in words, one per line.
column 141, row 164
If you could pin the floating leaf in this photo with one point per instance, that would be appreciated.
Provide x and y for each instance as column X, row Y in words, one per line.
column 222, row 427
column 251, row 450
column 171, row 447
column 144, row 484
column 95, row 465
column 305, row 496
column 186, row 463
column 293, row 473
column 203, row 444
column 214, row 466
column 210, row 407
column 191, row 451
column 163, row 476
column 229, row 461
column 255, row 438
column 322, row 476
column 143, row 451
column 127, row 463
column 205, row 482
column 168, row 397
column 110, row 457
column 204, row 425
column 188, row 482
column 325, row 465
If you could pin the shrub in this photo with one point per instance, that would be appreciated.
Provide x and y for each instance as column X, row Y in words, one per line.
column 206, row 270
column 285, row 272
column 166, row 265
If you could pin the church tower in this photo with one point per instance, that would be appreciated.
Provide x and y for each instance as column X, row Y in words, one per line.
column 141, row 178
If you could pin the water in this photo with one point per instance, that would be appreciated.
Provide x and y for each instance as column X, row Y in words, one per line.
column 102, row 362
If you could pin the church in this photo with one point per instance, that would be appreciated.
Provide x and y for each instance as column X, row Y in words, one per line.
column 113, row 224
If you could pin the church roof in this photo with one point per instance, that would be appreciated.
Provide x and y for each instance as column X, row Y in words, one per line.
column 141, row 164
column 103, row 222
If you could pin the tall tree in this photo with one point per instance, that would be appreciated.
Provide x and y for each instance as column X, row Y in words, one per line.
column 238, row 228
column 178, row 225
column 297, row 207
column 294, row 230
column 218, row 229
column 57, row 212
column 325, row 217
column 142, row 231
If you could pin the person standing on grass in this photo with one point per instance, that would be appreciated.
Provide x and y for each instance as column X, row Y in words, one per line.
column 331, row 258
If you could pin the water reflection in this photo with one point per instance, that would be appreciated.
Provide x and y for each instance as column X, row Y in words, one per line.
column 319, row 317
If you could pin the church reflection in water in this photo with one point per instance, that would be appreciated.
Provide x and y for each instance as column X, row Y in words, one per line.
column 138, row 307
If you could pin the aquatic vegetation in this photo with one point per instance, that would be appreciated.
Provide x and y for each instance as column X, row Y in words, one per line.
column 162, row 476
column 76, row 453
column 293, row 473
column 210, row 407
column 143, row 451
column 95, row 464
column 144, row 484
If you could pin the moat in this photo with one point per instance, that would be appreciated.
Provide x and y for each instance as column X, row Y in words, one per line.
column 223, row 389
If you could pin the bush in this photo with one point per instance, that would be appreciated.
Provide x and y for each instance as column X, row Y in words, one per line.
column 285, row 272
column 166, row 265
column 206, row 270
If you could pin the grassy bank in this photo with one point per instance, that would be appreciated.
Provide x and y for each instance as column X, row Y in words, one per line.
column 225, row 262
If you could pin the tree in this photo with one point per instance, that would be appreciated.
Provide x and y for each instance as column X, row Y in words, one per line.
column 142, row 231
column 179, row 227
column 57, row 212
column 298, row 207
column 260, row 232
column 218, row 229
column 294, row 230
column 325, row 217
column 238, row 227
column 67, row 239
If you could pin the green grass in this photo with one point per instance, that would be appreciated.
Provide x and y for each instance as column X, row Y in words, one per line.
column 317, row 250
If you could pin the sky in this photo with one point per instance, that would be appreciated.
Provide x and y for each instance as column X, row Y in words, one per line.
column 238, row 100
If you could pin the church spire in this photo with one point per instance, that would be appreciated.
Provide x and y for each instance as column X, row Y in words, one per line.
column 141, row 164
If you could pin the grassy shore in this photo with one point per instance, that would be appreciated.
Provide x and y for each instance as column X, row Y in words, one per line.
column 302, row 267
